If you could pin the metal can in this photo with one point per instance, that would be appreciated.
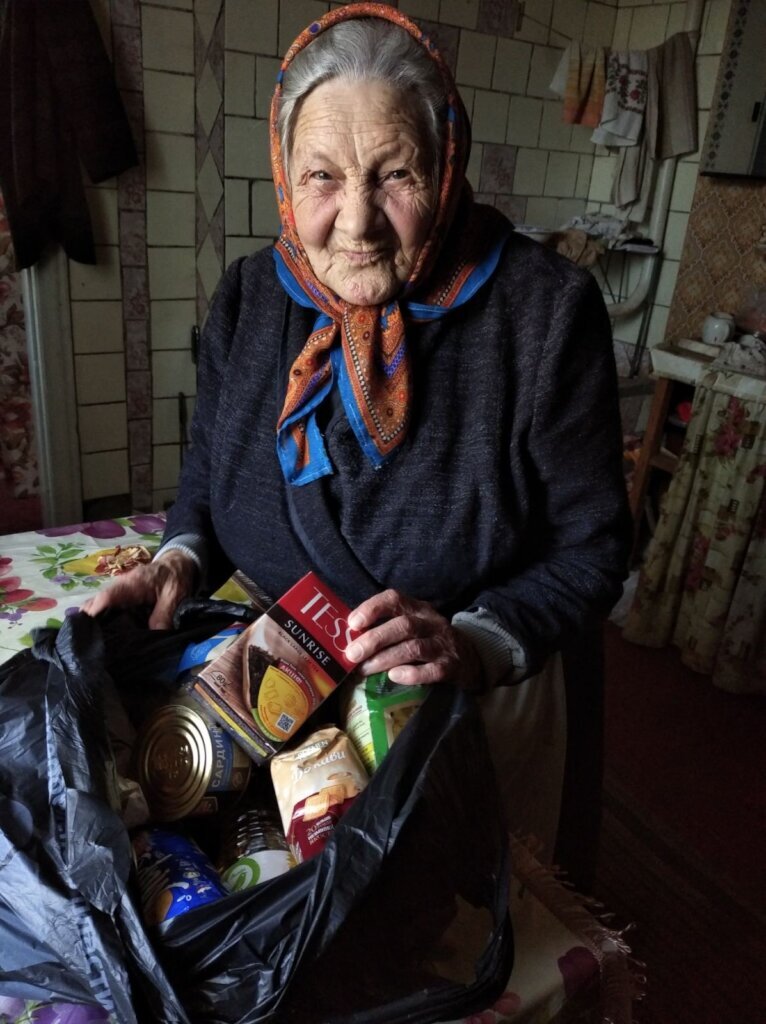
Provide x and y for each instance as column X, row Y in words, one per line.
column 174, row 875
column 254, row 848
column 186, row 762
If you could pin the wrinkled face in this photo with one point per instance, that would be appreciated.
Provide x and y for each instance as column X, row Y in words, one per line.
column 361, row 188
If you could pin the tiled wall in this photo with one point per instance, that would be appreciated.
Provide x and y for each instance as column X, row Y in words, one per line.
column 196, row 77
column 720, row 265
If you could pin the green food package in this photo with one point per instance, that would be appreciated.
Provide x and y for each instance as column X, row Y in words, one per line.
column 376, row 711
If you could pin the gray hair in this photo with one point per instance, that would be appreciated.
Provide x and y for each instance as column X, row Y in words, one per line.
column 367, row 49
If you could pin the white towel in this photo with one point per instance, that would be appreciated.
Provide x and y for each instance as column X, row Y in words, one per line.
column 625, row 101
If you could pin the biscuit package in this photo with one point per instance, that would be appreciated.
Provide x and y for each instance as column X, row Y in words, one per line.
column 273, row 675
column 376, row 711
column 315, row 784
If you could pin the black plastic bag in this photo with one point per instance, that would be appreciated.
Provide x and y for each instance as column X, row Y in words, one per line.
column 403, row 917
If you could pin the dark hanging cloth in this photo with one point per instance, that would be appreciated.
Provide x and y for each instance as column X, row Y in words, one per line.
column 59, row 106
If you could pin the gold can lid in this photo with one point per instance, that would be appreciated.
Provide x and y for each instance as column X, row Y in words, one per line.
column 175, row 761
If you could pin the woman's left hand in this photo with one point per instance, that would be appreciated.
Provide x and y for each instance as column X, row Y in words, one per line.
column 411, row 640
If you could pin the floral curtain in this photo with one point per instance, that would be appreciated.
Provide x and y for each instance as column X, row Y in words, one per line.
column 703, row 583
column 18, row 462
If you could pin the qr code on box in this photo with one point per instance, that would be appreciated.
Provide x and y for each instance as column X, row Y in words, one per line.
column 285, row 723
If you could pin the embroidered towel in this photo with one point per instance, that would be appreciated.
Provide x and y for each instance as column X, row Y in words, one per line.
column 625, row 99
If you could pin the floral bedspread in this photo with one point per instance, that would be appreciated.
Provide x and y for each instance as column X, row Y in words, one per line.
column 568, row 966
column 47, row 574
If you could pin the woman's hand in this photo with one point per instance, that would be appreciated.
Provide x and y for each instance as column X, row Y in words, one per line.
column 163, row 583
column 411, row 640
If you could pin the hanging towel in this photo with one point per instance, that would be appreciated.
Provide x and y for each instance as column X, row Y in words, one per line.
column 59, row 109
column 634, row 176
column 677, row 112
column 580, row 80
column 622, row 116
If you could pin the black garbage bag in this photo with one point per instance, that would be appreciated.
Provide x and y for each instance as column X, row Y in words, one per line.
column 403, row 916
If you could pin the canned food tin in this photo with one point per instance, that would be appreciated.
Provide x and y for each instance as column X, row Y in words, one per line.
column 254, row 848
column 174, row 875
column 186, row 762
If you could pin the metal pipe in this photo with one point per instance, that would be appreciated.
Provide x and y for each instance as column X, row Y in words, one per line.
column 663, row 190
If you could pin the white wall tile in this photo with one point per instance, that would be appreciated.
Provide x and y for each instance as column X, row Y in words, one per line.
column 102, row 428
column 714, row 26
column 170, row 162
column 295, row 16
column 649, row 25
column 459, row 12
column 266, row 70
column 209, row 267
column 476, row 56
column 622, row 24
column 473, row 171
column 684, row 186
column 428, row 9
column 100, row 378
column 532, row 31
column 105, row 474
column 185, row 5
column 237, row 206
column 675, row 235
column 236, row 247
column 601, row 181
column 172, row 321
column 569, row 18
column 676, row 19
column 543, row 213
column 512, row 66
column 166, row 465
column 168, row 102
column 97, row 327
column 167, row 39
column 580, row 140
column 173, row 371
column 490, row 116
column 545, row 60
column 529, row 176
column 599, row 25
column 658, row 322
column 265, row 215
column 246, row 146
column 524, row 116
column 554, row 133
column 101, row 281
column 566, row 209
column 239, row 84
column 172, row 273
column 102, row 203
column 165, row 426
column 584, row 174
column 667, row 282
column 251, row 25
column 170, row 218
column 561, row 175
column 707, row 70
column 467, row 94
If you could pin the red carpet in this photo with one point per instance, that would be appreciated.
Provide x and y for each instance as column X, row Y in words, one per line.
column 688, row 759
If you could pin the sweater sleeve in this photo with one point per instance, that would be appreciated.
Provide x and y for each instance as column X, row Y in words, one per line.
column 575, row 571
column 190, row 515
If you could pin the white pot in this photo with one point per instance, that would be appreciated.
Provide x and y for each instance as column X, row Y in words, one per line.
column 718, row 328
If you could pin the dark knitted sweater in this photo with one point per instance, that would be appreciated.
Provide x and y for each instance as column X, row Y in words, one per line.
column 507, row 494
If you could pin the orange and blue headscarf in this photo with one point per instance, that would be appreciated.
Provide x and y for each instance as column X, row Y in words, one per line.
column 362, row 350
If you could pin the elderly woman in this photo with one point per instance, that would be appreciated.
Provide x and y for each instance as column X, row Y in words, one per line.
column 402, row 394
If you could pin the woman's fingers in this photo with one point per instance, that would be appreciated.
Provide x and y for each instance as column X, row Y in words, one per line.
column 411, row 640
column 162, row 584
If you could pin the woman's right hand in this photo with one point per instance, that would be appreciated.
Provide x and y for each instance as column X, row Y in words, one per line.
column 162, row 583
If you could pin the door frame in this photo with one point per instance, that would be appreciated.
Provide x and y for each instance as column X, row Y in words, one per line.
column 52, row 383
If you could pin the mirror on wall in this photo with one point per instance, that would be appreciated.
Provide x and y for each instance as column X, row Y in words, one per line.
column 736, row 138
